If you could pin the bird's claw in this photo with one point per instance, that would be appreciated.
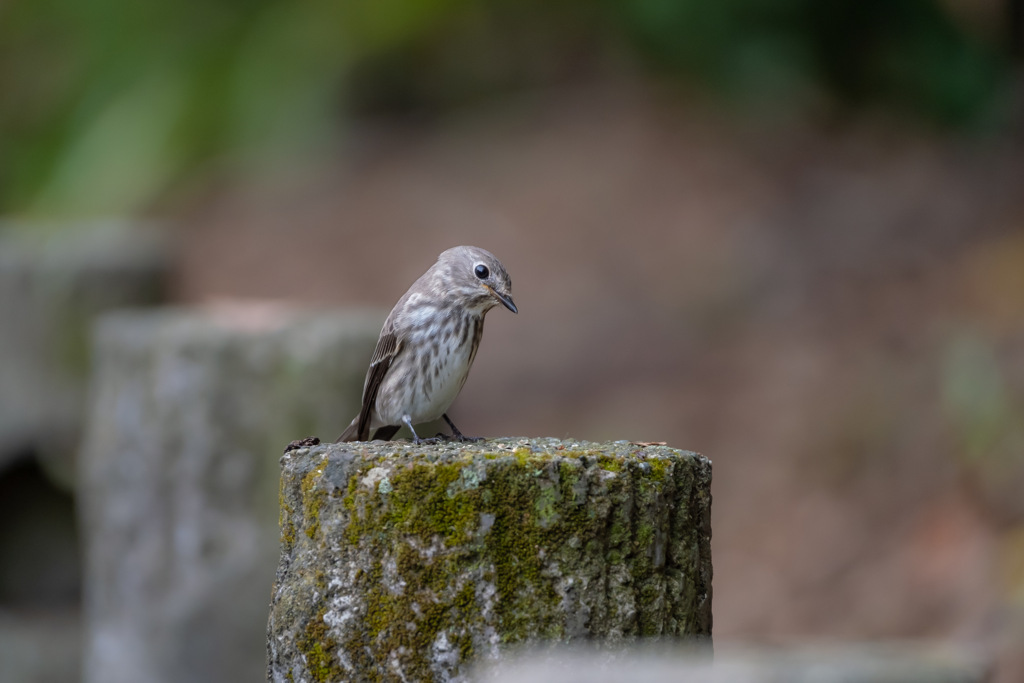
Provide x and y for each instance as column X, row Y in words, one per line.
column 461, row 438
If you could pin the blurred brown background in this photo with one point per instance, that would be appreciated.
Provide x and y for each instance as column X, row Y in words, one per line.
column 835, row 320
column 789, row 236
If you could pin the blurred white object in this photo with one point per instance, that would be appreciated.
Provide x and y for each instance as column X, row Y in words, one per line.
column 852, row 663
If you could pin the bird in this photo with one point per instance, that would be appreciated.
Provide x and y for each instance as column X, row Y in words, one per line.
column 428, row 343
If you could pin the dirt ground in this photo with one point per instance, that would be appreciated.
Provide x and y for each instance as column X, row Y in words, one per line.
column 801, row 302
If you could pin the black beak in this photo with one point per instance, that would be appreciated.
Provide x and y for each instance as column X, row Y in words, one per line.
column 505, row 300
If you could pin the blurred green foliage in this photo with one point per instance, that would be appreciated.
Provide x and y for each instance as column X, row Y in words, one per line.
column 905, row 52
column 107, row 103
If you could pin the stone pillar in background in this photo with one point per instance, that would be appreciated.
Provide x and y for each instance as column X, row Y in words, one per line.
column 404, row 562
column 178, row 483
column 55, row 280
column 51, row 291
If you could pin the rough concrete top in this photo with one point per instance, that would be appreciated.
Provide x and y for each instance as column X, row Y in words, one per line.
column 507, row 445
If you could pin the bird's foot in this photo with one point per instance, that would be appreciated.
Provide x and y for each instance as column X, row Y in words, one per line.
column 461, row 438
column 457, row 435
column 466, row 439
column 432, row 440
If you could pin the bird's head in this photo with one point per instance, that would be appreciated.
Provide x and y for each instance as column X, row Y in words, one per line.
column 476, row 278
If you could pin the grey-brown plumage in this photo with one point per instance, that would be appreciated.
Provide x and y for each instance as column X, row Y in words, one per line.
column 429, row 342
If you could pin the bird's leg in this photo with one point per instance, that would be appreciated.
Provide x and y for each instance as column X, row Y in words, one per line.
column 415, row 438
column 456, row 434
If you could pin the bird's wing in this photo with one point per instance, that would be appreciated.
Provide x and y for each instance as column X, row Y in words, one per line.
column 387, row 349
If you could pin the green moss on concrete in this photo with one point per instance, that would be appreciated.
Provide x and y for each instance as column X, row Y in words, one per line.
column 312, row 499
column 522, row 455
column 284, row 520
column 660, row 468
column 473, row 530
column 610, row 463
column 319, row 647
column 525, row 601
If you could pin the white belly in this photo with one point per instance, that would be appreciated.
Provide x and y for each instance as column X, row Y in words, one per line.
column 422, row 393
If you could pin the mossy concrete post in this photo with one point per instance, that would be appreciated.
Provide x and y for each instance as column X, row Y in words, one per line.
column 404, row 562
column 178, row 479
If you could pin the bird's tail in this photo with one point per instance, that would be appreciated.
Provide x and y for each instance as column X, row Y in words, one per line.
column 351, row 433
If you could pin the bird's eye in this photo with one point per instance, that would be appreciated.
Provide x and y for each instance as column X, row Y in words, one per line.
column 481, row 271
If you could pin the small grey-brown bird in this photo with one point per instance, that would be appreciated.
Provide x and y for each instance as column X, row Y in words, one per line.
column 428, row 344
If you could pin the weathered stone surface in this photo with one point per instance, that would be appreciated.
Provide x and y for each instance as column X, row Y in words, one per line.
column 403, row 562
column 51, row 292
column 179, row 475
